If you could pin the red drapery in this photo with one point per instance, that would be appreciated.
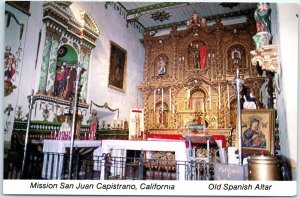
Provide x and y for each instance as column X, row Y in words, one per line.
column 203, row 53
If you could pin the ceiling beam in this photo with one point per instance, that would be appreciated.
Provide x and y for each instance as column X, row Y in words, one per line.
column 208, row 18
column 156, row 6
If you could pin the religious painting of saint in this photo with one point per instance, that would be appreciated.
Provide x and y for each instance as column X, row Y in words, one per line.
column 117, row 68
column 258, row 131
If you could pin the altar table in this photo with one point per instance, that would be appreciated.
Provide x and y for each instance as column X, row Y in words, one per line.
column 116, row 147
column 220, row 140
column 58, row 148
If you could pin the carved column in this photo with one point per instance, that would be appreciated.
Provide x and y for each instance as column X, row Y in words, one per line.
column 223, row 106
column 146, row 108
column 52, row 66
column 45, row 63
column 174, row 36
column 147, row 45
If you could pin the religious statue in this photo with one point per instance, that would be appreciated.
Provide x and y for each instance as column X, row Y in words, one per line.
column 196, row 57
column 262, row 17
column 93, row 122
column 64, row 130
column 161, row 118
column 161, row 66
column 263, row 25
column 198, row 54
column 249, row 98
column 236, row 56
column 196, row 21
column 61, row 81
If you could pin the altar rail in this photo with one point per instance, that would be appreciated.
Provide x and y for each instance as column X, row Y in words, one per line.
column 87, row 166
column 106, row 167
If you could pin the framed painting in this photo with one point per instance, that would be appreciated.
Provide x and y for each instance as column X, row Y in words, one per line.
column 257, row 131
column 117, row 67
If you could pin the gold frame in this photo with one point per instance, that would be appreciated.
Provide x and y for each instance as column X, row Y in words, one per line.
column 266, row 126
column 117, row 52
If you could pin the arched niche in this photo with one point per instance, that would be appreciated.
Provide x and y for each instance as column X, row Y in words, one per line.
column 161, row 65
column 194, row 58
column 236, row 58
column 197, row 100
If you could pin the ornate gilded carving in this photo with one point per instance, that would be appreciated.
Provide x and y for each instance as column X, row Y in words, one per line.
column 266, row 57
column 195, row 95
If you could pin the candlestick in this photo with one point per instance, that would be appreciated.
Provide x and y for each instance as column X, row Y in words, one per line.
column 238, row 83
column 154, row 99
column 228, row 102
column 219, row 94
column 209, row 95
column 170, row 100
column 162, row 100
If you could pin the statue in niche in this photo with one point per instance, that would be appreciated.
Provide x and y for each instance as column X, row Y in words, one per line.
column 161, row 66
column 198, row 52
column 162, row 118
column 236, row 56
column 61, row 80
column 194, row 55
column 64, row 85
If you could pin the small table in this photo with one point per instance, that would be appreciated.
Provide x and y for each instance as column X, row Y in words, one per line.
column 58, row 149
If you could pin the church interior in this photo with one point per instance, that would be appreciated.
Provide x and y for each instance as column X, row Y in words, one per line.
column 150, row 90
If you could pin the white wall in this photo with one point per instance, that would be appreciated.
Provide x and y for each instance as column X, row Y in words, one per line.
column 112, row 27
column 30, row 73
column 285, row 34
column 12, row 39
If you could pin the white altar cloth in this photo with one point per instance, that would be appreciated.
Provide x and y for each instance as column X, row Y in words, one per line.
column 59, row 147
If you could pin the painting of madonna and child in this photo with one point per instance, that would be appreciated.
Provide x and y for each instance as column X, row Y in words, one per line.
column 258, row 131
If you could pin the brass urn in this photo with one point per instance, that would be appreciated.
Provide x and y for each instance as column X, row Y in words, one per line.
column 263, row 167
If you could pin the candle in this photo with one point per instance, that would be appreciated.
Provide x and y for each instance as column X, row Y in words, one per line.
column 228, row 102
column 219, row 94
column 170, row 100
column 162, row 100
column 209, row 97
column 154, row 99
